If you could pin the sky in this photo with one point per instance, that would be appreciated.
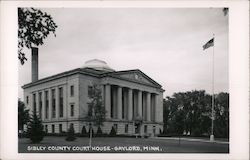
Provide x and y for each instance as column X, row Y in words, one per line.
column 164, row 43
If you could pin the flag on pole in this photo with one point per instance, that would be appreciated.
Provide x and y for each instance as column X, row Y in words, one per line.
column 208, row 44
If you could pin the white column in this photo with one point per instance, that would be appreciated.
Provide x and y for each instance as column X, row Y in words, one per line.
column 148, row 111
column 50, row 103
column 37, row 103
column 43, row 105
column 130, row 104
column 155, row 108
column 119, row 102
column 57, row 101
column 140, row 103
column 65, row 108
column 107, row 100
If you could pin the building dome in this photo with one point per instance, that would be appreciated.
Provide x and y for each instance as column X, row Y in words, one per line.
column 97, row 64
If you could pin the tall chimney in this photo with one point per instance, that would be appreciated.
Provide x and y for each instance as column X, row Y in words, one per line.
column 34, row 64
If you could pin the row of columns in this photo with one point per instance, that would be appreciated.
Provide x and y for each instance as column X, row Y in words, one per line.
column 149, row 110
column 42, row 113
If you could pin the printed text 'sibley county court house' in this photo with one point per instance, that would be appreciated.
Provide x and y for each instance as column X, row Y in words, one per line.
column 133, row 101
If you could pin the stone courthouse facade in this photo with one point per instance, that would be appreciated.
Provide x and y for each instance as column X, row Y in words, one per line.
column 133, row 101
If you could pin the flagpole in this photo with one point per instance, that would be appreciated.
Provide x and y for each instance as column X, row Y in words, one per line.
column 212, row 117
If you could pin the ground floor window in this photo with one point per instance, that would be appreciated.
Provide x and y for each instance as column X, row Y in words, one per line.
column 46, row 128
column 145, row 128
column 126, row 128
column 154, row 129
column 53, row 128
column 60, row 128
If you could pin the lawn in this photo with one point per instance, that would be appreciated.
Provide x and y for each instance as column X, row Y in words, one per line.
column 53, row 144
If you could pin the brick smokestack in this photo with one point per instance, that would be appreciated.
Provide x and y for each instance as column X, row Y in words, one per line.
column 34, row 64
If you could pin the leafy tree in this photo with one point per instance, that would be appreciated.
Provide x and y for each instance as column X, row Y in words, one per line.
column 23, row 115
column 96, row 109
column 71, row 134
column 191, row 112
column 35, row 129
column 221, row 122
column 33, row 27
column 187, row 112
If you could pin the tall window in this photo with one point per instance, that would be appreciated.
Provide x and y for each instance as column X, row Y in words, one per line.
column 27, row 99
column 46, row 105
column 72, row 91
column 61, row 102
column 34, row 103
column 53, row 104
column 72, row 110
column 40, row 104
column 60, row 128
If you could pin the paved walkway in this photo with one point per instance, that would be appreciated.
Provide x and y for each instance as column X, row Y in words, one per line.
column 193, row 139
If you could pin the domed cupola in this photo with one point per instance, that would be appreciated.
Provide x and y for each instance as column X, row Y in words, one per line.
column 98, row 65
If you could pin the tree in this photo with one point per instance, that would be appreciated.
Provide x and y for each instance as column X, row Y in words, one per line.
column 35, row 129
column 33, row 27
column 71, row 134
column 221, row 122
column 23, row 115
column 96, row 111
column 190, row 112
column 187, row 112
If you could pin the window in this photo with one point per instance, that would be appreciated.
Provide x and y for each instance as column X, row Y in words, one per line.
column 72, row 110
column 27, row 99
column 53, row 104
column 53, row 128
column 154, row 129
column 72, row 91
column 61, row 102
column 145, row 128
column 46, row 128
column 72, row 125
column 46, row 104
column 60, row 128
column 40, row 104
column 34, row 102
column 126, row 128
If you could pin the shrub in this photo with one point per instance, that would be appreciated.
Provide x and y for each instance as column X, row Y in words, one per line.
column 112, row 132
column 35, row 129
column 84, row 132
column 99, row 132
column 71, row 134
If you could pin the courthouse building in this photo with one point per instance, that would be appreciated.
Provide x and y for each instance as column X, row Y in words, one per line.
column 132, row 100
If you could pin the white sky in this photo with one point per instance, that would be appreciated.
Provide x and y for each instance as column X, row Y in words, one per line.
column 166, row 44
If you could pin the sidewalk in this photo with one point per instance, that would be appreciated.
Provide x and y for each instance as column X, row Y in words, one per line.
column 192, row 139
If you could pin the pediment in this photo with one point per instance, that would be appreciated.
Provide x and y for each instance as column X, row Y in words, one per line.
column 137, row 76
